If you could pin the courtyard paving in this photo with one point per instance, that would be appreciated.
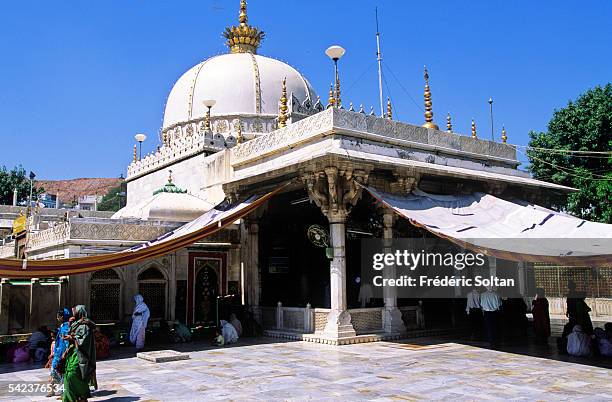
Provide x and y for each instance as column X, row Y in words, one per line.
column 377, row 371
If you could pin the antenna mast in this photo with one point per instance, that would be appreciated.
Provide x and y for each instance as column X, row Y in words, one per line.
column 379, row 59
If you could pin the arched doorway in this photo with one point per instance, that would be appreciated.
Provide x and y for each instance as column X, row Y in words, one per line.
column 152, row 285
column 206, row 290
column 105, row 296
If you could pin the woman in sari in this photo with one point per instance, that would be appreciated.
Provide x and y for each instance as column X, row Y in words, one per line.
column 59, row 347
column 80, row 358
column 140, row 318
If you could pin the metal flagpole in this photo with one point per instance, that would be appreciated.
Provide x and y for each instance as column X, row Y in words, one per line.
column 491, row 112
column 379, row 59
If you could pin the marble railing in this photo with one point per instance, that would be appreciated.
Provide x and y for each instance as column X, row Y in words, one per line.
column 55, row 235
column 7, row 250
column 372, row 128
column 600, row 307
column 186, row 139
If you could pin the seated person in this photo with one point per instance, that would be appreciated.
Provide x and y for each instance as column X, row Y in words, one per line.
column 229, row 332
column 218, row 339
column 603, row 338
column 181, row 332
column 578, row 343
column 236, row 323
column 37, row 340
column 102, row 344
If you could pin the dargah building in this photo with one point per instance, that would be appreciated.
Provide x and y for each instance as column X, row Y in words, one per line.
column 264, row 189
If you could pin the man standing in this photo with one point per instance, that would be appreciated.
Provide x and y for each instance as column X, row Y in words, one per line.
column 474, row 312
column 490, row 303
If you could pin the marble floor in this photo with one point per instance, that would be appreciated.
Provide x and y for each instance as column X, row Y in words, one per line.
column 307, row 371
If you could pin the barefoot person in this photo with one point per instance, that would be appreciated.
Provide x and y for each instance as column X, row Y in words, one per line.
column 81, row 358
column 140, row 318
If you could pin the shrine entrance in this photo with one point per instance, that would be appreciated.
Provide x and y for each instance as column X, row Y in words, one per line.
column 207, row 279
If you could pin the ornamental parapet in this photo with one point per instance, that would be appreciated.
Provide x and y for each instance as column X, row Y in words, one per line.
column 376, row 130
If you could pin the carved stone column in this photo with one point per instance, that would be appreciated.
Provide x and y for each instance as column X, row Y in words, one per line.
column 5, row 294
column 172, row 288
column 392, row 316
column 249, row 255
column 35, row 299
column 335, row 191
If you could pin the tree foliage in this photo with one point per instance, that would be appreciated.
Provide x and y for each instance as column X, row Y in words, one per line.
column 583, row 125
column 16, row 178
column 113, row 200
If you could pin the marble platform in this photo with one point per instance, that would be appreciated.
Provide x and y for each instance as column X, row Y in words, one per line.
column 380, row 371
column 162, row 356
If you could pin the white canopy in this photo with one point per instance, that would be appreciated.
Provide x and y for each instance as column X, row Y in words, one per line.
column 517, row 231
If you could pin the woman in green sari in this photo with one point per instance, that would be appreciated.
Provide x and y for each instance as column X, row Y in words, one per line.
column 80, row 358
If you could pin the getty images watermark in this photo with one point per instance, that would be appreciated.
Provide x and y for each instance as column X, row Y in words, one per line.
column 422, row 268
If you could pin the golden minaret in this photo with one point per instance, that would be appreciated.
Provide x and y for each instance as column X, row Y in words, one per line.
column 389, row 109
column 429, row 123
column 474, row 129
column 282, row 108
column 504, row 136
column 449, row 125
column 331, row 101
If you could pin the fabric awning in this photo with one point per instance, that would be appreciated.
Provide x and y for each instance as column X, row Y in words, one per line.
column 516, row 231
column 209, row 223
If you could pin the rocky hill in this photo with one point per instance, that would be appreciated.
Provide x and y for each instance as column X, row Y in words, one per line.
column 75, row 188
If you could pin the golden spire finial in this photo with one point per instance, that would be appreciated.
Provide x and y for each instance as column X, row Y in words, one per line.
column 331, row 101
column 243, row 18
column 135, row 156
column 474, row 129
column 504, row 136
column 243, row 38
column 428, row 109
column 389, row 109
column 449, row 125
column 282, row 108
column 338, row 101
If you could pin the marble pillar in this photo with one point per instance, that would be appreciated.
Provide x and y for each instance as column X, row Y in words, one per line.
column 171, row 316
column 392, row 316
column 5, row 295
column 249, row 255
column 339, row 319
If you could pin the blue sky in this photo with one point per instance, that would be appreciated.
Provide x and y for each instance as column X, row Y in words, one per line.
column 79, row 79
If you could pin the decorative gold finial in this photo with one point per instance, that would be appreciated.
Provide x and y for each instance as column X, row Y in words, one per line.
column 428, row 109
column 504, row 136
column 389, row 110
column 474, row 129
column 449, row 125
column 135, row 154
column 282, row 109
column 239, row 136
column 331, row 101
column 243, row 38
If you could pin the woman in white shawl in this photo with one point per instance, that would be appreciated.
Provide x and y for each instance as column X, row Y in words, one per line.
column 140, row 318
column 229, row 332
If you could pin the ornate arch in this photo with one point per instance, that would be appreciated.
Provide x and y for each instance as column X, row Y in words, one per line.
column 105, row 295
column 153, row 286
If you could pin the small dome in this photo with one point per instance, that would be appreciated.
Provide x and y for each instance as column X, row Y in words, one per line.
column 242, row 84
column 169, row 204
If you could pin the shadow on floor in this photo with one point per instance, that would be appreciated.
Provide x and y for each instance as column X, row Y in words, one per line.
column 527, row 347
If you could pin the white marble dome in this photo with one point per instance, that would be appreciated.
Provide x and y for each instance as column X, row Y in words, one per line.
column 169, row 204
column 242, row 84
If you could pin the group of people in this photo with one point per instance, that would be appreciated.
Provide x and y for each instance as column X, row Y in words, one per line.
column 578, row 338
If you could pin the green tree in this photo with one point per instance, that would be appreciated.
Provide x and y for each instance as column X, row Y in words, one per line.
column 16, row 179
column 113, row 200
column 583, row 125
